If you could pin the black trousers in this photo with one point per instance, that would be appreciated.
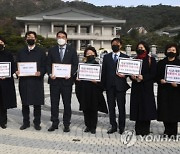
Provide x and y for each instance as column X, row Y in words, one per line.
column 3, row 111
column 142, row 127
column 66, row 93
column 114, row 96
column 170, row 128
column 90, row 118
column 26, row 112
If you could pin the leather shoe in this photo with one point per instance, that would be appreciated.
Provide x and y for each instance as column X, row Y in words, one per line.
column 52, row 128
column 121, row 131
column 112, row 130
column 87, row 130
column 66, row 129
column 37, row 127
column 93, row 131
column 3, row 126
column 24, row 127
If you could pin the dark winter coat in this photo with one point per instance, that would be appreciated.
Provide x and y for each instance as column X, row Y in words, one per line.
column 32, row 88
column 142, row 101
column 168, row 98
column 7, row 85
column 90, row 96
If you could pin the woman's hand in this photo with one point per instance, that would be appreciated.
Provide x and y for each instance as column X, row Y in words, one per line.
column 162, row 81
column 174, row 84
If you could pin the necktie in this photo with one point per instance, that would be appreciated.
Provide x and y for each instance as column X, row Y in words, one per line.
column 115, row 58
column 61, row 53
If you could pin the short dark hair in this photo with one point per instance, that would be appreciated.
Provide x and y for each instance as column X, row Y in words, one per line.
column 90, row 48
column 145, row 44
column 31, row 32
column 172, row 45
column 2, row 39
column 117, row 40
column 63, row 32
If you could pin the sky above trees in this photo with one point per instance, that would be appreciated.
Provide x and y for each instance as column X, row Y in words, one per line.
column 129, row 3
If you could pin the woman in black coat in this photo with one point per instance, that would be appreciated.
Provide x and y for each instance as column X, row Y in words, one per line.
column 168, row 93
column 7, row 88
column 90, row 95
column 142, row 103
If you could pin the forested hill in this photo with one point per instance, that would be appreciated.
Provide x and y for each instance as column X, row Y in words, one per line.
column 152, row 18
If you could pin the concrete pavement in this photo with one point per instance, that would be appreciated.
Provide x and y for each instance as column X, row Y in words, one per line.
column 31, row 141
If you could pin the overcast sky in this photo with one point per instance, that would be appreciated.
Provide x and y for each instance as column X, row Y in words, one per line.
column 128, row 3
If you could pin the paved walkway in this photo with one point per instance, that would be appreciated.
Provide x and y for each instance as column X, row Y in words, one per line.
column 30, row 141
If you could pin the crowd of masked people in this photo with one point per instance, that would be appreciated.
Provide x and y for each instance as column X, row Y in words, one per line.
column 143, row 106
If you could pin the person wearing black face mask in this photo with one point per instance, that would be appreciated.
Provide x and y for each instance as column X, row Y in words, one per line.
column 1, row 47
column 30, row 42
column 142, row 100
column 90, row 97
column 7, row 88
column 90, row 59
column 31, row 88
column 168, row 93
column 115, row 85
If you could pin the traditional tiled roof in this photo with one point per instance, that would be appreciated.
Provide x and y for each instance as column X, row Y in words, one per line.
column 70, row 14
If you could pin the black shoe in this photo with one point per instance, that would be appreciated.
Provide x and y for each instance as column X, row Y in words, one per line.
column 112, row 130
column 87, row 130
column 121, row 131
column 3, row 126
column 66, row 129
column 52, row 128
column 37, row 127
column 93, row 131
column 24, row 127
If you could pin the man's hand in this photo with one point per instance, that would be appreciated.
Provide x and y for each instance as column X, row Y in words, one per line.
column 38, row 73
column 2, row 78
column 52, row 77
column 17, row 73
column 120, row 75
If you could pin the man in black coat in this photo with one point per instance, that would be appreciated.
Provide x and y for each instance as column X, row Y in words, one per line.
column 31, row 88
column 7, row 88
column 61, row 54
column 115, row 86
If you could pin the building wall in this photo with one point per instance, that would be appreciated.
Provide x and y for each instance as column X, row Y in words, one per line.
column 108, row 31
column 33, row 27
column 97, row 30
column 44, row 30
column 97, row 45
column 107, row 45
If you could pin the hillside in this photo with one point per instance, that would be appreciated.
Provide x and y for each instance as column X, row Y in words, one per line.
column 152, row 18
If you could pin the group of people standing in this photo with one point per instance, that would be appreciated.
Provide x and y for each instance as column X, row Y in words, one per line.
column 143, row 107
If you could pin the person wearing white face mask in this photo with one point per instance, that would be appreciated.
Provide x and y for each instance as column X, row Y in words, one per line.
column 62, row 53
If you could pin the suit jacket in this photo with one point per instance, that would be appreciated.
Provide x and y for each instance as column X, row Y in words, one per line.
column 109, row 77
column 70, row 57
